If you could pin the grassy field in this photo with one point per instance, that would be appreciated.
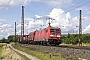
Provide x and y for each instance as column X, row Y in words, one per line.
column 0, row 50
column 24, row 57
column 83, row 44
column 40, row 54
column 2, row 57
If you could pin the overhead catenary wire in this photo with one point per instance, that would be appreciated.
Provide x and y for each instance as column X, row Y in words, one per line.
column 74, row 8
column 31, row 11
column 77, row 4
column 62, row 13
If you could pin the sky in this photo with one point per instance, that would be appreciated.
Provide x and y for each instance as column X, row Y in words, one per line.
column 36, row 13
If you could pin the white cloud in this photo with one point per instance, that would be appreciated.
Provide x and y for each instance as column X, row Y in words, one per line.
column 34, row 24
column 18, row 32
column 11, row 3
column 87, row 29
column 28, row 19
column 30, row 25
column 58, row 3
column 37, row 16
column 66, row 22
column 5, row 29
column 6, row 25
column 2, row 20
column 86, row 18
column 88, row 12
column 61, row 19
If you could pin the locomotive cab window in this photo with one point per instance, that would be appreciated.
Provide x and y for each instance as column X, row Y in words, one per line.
column 54, row 30
column 57, row 31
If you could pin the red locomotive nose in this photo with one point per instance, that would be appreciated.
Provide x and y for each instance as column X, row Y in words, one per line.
column 55, row 34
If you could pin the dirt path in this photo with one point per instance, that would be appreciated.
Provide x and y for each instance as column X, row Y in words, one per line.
column 9, row 54
column 23, row 53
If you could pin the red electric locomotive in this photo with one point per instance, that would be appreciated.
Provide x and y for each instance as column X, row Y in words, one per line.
column 47, row 36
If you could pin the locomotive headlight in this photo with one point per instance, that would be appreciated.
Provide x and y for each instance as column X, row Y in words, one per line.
column 51, row 35
column 58, row 36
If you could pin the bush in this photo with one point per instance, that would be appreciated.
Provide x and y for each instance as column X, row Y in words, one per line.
column 73, row 38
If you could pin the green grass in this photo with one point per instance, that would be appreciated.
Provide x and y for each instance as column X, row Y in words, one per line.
column 87, row 44
column 40, row 54
column 83, row 44
column 1, row 57
column 24, row 57
column 0, row 50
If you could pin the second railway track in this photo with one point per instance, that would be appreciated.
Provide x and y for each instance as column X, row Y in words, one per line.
column 69, row 52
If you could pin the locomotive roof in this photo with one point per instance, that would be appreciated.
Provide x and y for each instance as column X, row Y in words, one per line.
column 52, row 27
column 25, row 35
column 47, row 28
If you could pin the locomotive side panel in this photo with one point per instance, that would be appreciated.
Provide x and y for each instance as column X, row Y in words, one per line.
column 47, row 34
column 43, row 35
column 36, row 36
column 31, row 37
column 40, row 35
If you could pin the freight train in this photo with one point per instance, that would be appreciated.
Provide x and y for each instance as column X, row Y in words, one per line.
column 48, row 36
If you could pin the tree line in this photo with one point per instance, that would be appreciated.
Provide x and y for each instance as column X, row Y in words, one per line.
column 68, row 39
column 74, row 38
column 10, row 38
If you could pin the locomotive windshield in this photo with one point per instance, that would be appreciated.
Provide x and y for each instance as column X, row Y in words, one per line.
column 54, row 31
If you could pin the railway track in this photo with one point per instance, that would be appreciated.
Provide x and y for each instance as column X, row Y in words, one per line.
column 65, row 46
column 69, row 52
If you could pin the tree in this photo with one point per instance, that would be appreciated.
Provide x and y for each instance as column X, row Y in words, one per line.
column 3, row 40
column 10, row 38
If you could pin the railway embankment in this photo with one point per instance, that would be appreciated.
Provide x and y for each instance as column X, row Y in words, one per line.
column 42, row 55
column 70, row 53
column 9, row 54
column 23, row 53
